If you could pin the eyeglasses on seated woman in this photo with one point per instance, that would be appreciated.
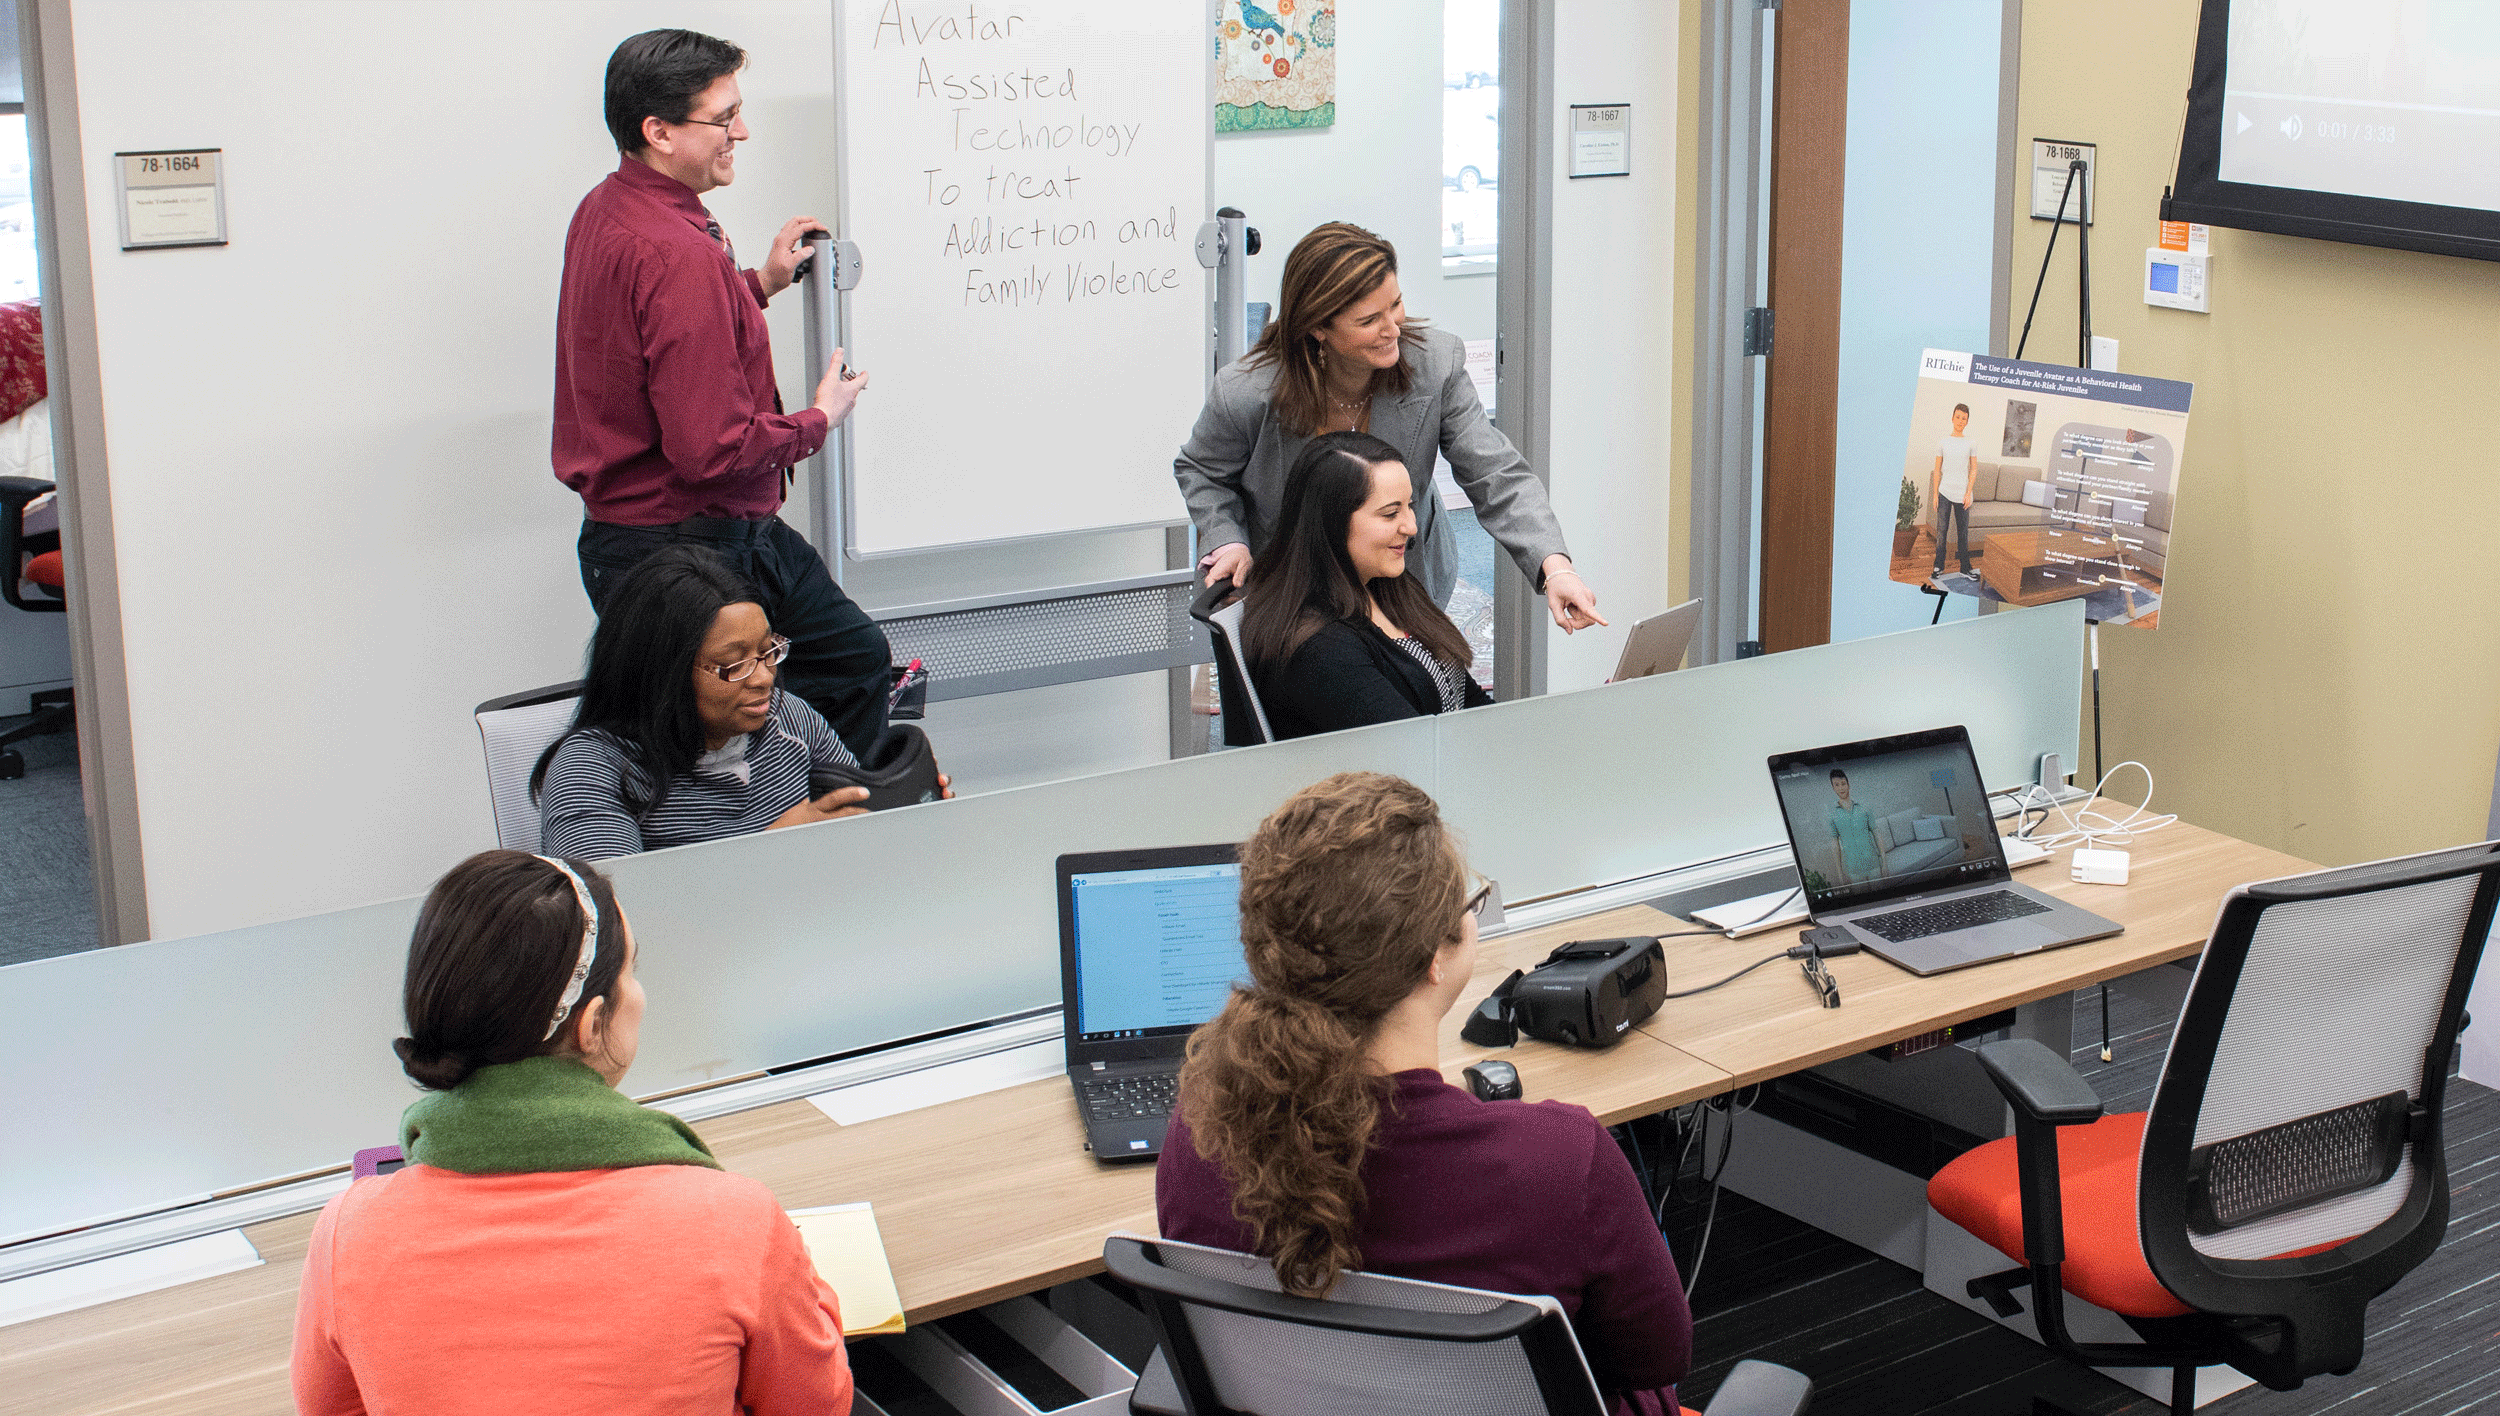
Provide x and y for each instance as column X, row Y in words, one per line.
column 683, row 733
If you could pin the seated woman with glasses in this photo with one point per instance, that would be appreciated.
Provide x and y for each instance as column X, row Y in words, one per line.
column 681, row 735
column 1314, row 1126
column 550, row 1245
column 1337, row 629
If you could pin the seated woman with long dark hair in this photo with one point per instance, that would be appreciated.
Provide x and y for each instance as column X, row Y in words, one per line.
column 1338, row 631
column 551, row 1245
column 682, row 735
column 1315, row 1128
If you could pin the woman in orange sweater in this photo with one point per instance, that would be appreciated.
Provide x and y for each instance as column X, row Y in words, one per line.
column 550, row 1245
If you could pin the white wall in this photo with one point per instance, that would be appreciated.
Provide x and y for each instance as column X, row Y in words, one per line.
column 335, row 520
column 328, row 440
column 1378, row 166
column 1614, row 321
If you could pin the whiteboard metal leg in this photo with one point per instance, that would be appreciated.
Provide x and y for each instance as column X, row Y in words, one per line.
column 1189, row 730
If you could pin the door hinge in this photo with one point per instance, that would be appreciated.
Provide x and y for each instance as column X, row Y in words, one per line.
column 1758, row 331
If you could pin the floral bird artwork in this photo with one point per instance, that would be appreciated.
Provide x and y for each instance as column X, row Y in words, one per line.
column 1254, row 19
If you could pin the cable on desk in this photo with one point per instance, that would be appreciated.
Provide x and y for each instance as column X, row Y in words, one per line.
column 1796, row 951
column 2093, row 828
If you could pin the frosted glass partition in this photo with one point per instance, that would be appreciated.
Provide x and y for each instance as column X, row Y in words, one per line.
column 155, row 1074
column 1608, row 783
column 146, row 1076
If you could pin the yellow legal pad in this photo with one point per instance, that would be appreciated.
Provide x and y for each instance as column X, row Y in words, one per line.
column 849, row 1255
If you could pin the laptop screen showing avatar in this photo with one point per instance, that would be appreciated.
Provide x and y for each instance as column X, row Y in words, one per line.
column 1874, row 820
column 1157, row 951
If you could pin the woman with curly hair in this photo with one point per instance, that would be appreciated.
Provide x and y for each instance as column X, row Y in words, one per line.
column 1315, row 1128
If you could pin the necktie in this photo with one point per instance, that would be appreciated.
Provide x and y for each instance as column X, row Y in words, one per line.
column 712, row 229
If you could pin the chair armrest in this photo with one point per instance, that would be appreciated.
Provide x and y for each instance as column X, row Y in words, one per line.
column 16, row 492
column 1760, row 1389
column 2040, row 1084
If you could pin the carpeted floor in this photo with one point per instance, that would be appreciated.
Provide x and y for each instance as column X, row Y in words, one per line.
column 47, row 903
column 1877, row 1343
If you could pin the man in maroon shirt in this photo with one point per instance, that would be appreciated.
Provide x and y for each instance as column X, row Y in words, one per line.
column 667, row 418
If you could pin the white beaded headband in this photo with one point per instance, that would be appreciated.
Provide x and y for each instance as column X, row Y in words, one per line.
column 590, row 946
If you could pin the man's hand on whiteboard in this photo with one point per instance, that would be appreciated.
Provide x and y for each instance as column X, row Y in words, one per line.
column 781, row 264
column 838, row 391
column 1573, row 603
column 1230, row 561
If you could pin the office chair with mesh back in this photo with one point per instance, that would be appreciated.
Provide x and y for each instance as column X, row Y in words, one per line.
column 516, row 729
column 1227, row 1340
column 53, row 708
column 1219, row 610
column 2291, row 1168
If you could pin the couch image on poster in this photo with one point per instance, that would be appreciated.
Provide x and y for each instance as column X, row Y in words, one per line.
column 2030, row 483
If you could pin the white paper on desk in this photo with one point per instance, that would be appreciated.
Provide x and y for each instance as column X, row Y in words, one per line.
column 1756, row 913
column 951, row 1081
column 125, row 1275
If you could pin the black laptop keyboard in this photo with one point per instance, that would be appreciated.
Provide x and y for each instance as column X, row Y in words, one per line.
column 1995, row 907
column 1128, row 1098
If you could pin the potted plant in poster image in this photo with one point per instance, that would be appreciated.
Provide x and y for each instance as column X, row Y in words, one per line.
column 1905, row 520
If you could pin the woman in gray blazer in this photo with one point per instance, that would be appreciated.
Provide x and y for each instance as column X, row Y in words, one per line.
column 1342, row 356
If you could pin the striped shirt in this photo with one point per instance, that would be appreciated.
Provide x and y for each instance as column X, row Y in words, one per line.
column 1450, row 679
column 746, row 786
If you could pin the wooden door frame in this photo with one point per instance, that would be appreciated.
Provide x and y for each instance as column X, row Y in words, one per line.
column 1801, row 383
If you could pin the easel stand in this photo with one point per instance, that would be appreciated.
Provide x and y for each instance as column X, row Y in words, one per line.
column 2083, row 360
column 2083, row 277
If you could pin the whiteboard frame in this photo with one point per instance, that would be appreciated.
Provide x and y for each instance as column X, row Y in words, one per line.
column 838, row 452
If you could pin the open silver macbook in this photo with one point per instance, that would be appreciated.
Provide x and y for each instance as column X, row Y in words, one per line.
column 1657, row 644
column 1895, row 843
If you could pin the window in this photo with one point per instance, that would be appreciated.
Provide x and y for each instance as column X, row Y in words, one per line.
column 1471, row 133
column 17, row 212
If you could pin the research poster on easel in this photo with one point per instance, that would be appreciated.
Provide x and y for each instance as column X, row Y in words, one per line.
column 2030, row 483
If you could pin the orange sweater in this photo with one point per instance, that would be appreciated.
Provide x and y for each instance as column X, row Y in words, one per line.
column 661, row 1288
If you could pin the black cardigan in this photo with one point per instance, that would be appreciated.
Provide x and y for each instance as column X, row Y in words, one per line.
column 1344, row 676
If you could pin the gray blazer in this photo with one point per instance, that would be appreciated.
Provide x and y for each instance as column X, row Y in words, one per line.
column 1232, row 469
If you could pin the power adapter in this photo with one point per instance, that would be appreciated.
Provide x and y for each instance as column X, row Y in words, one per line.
column 2100, row 867
column 1830, row 942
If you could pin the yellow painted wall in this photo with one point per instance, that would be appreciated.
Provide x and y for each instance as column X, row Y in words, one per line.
column 2326, row 679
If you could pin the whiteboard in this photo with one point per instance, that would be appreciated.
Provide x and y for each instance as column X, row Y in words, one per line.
column 1025, row 180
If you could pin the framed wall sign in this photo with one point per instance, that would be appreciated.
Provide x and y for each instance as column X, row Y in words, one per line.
column 174, row 198
column 1601, row 140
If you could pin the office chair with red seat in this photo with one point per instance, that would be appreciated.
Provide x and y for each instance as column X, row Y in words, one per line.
column 53, row 709
column 2291, row 1168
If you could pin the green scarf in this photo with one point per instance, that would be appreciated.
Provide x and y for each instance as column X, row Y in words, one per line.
column 542, row 1113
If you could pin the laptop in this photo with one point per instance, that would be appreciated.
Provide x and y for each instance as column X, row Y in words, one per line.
column 1149, row 948
column 1895, row 844
column 1657, row 644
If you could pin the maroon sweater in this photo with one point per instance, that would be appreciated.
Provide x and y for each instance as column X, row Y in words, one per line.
column 1515, row 1197
column 665, row 403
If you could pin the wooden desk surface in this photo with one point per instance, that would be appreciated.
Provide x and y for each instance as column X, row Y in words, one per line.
column 1770, row 1023
column 993, row 1195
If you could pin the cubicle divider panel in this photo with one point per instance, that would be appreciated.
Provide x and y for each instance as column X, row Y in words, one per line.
column 156, row 1075
column 1605, row 784
column 766, row 950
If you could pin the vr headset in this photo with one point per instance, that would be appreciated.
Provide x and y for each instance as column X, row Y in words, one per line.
column 1587, row 993
column 898, row 770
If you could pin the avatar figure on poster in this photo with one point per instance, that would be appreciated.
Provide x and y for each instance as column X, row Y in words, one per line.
column 1949, row 488
column 1854, row 851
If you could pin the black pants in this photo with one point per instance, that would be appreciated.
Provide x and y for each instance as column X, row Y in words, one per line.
column 1953, row 513
column 839, row 661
